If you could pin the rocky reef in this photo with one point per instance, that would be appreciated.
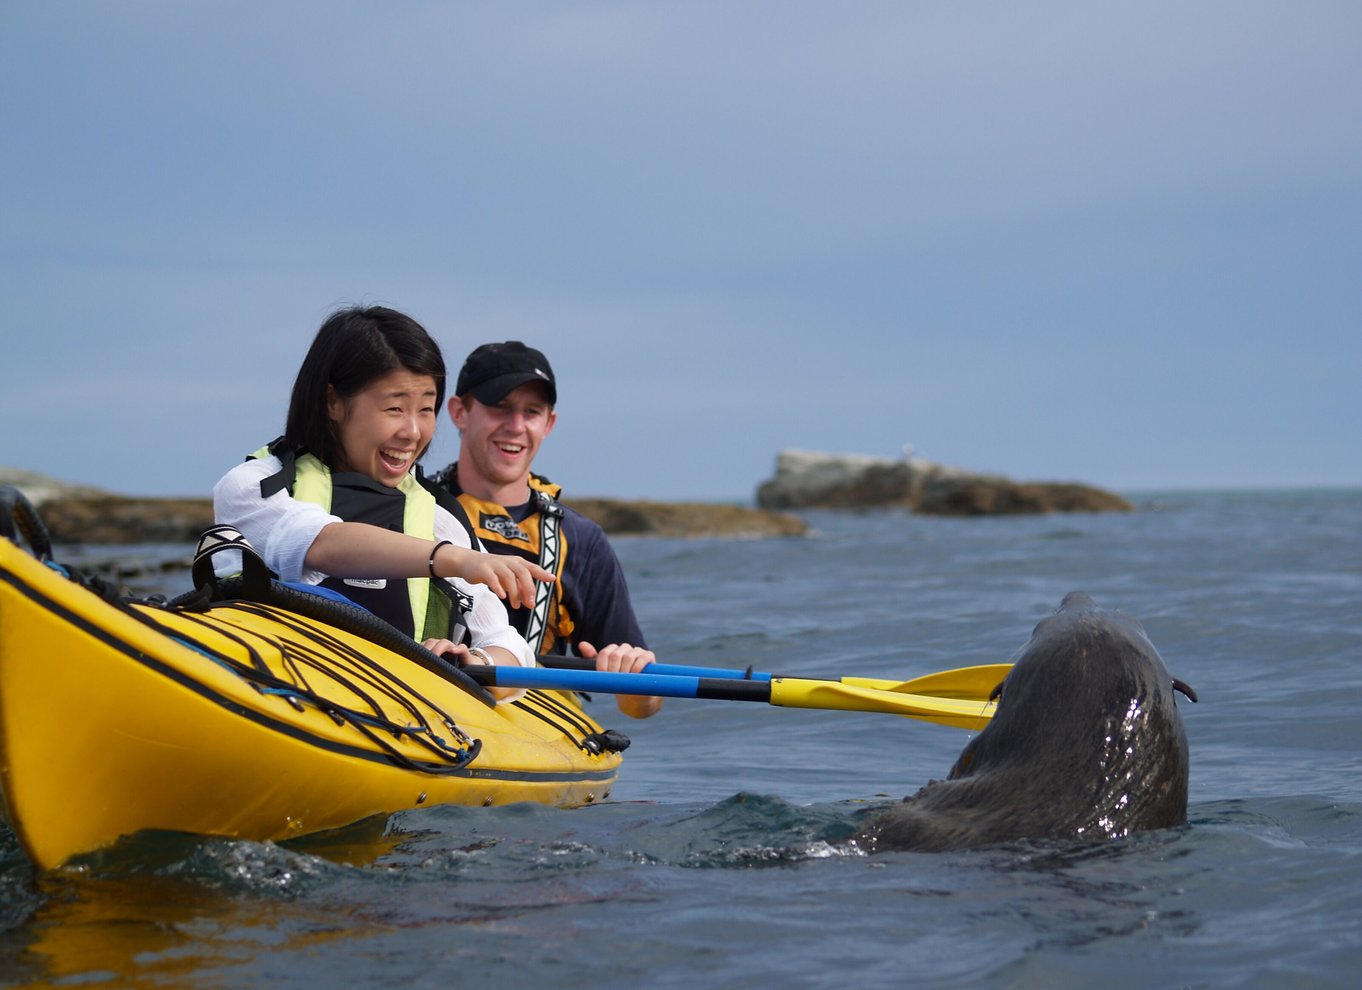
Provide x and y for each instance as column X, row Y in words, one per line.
column 115, row 519
column 81, row 514
column 620, row 517
column 806, row 480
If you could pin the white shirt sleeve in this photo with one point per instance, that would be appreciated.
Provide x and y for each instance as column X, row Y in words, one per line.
column 281, row 528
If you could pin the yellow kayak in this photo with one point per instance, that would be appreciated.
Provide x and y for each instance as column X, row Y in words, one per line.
column 250, row 719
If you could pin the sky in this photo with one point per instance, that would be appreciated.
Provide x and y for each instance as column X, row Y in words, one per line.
column 1112, row 243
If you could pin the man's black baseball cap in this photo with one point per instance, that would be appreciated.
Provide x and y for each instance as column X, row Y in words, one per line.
column 493, row 370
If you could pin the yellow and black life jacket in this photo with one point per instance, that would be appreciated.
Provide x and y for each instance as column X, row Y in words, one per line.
column 539, row 537
column 421, row 608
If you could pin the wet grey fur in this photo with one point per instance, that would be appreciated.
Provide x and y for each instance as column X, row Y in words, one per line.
column 1087, row 743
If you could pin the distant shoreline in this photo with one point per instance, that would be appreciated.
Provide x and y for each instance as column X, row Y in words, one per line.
column 84, row 514
column 76, row 514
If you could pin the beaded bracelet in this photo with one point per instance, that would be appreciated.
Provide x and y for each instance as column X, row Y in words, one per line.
column 442, row 543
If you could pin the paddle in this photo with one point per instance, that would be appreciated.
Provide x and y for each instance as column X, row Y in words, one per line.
column 966, row 683
column 783, row 692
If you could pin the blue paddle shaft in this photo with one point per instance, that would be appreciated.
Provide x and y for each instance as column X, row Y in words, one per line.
column 668, row 669
column 681, row 670
column 607, row 682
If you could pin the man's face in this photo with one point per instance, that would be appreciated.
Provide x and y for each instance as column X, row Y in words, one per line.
column 500, row 442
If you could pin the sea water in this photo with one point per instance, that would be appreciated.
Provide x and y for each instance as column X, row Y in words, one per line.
column 718, row 860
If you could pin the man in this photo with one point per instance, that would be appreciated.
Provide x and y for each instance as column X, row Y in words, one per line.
column 504, row 408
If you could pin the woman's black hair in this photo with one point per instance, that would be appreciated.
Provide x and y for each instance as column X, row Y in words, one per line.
column 353, row 348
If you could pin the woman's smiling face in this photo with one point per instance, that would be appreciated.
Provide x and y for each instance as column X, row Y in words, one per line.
column 386, row 426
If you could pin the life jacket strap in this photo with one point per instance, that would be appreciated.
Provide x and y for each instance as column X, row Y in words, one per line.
column 550, row 518
column 288, row 470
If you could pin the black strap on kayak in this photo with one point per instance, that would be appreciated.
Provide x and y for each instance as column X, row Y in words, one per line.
column 22, row 526
column 253, row 590
column 567, row 719
column 365, row 674
column 244, row 561
column 18, row 519
column 257, row 583
column 317, row 652
column 609, row 741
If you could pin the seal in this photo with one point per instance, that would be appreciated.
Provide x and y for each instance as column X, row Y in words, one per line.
column 1087, row 743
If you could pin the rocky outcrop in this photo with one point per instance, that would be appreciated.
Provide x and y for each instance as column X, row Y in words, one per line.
column 113, row 519
column 39, row 488
column 992, row 496
column 807, row 479
column 685, row 519
column 110, row 519
column 79, row 514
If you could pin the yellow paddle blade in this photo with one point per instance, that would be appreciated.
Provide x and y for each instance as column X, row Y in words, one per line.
column 792, row 692
column 966, row 683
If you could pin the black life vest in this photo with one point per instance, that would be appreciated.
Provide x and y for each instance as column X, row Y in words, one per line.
column 421, row 608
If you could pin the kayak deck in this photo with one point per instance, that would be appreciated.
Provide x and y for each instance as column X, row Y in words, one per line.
column 247, row 720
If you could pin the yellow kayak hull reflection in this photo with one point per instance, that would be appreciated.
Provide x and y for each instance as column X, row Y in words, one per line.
column 118, row 719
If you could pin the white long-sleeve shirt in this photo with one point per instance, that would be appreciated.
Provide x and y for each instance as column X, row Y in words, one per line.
column 282, row 528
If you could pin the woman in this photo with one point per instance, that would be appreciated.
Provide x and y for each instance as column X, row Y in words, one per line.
column 338, row 499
